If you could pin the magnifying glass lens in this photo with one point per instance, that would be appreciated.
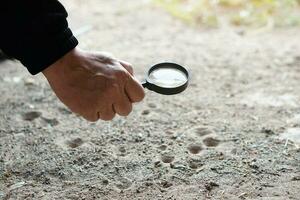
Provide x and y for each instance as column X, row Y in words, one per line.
column 168, row 77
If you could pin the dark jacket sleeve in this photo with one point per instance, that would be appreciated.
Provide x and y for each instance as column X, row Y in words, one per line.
column 35, row 32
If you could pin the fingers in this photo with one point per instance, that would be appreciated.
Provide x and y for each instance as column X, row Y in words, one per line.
column 123, row 106
column 120, row 90
column 134, row 90
column 120, row 104
column 107, row 114
column 123, row 99
column 127, row 66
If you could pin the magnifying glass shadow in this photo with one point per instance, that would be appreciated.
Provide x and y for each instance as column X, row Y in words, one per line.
column 167, row 78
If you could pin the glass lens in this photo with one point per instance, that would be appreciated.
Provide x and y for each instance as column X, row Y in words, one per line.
column 168, row 77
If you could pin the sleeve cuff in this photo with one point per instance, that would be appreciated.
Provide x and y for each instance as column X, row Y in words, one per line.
column 47, row 53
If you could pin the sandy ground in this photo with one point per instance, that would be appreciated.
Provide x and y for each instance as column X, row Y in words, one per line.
column 225, row 137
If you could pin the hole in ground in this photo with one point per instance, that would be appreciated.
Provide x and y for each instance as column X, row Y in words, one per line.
column 211, row 142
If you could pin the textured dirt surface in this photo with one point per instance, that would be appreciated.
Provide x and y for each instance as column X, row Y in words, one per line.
column 234, row 134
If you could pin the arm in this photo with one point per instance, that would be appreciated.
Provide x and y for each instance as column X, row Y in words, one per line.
column 35, row 32
column 94, row 85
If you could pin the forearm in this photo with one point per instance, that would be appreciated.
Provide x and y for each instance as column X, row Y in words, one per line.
column 35, row 32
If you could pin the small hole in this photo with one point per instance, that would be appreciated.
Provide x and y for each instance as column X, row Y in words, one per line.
column 211, row 142
column 194, row 148
column 202, row 131
column 163, row 147
column 167, row 158
column 30, row 116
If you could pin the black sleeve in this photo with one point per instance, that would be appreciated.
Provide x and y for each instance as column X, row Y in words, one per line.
column 35, row 32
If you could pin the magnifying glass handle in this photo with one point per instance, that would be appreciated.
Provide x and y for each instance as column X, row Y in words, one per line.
column 144, row 84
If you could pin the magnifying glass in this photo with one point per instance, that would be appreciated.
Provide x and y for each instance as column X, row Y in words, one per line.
column 167, row 78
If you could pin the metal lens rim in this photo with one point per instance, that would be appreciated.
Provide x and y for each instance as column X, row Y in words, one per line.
column 165, row 90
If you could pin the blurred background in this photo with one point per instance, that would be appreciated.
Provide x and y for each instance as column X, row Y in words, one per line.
column 250, row 13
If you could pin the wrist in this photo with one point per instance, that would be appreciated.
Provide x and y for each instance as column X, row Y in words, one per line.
column 61, row 66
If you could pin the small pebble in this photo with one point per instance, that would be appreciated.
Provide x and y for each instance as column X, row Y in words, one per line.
column 152, row 105
column 157, row 164
column 166, row 184
column 29, row 81
column 211, row 185
column 122, row 149
column 146, row 112
column 105, row 182
column 75, row 143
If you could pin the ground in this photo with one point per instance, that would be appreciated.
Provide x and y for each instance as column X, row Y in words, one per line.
column 233, row 134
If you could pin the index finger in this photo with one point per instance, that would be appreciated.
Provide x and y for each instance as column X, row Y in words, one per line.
column 134, row 90
column 127, row 66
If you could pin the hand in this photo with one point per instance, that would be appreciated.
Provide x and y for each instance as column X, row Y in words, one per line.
column 94, row 85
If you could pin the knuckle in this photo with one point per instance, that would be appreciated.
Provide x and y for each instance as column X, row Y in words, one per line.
column 114, row 89
column 105, row 57
column 108, row 55
column 121, row 74
column 112, row 86
column 110, row 79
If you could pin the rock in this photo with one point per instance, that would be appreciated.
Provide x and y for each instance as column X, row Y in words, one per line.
column 105, row 182
column 17, row 185
column 52, row 122
column 75, row 142
column 178, row 166
column 122, row 149
column 211, row 185
column 157, row 164
column 152, row 105
column 29, row 82
column 267, row 131
column 194, row 165
column 165, row 184
column 123, row 183
column 146, row 112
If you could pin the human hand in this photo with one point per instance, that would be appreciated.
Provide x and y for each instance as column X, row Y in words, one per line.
column 94, row 85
